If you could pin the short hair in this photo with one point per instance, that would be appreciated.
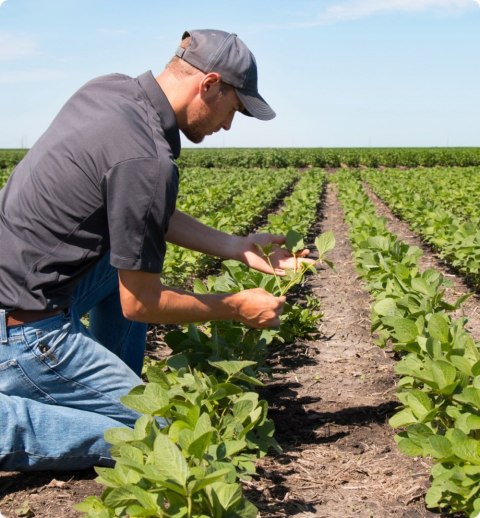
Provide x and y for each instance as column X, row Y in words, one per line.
column 178, row 66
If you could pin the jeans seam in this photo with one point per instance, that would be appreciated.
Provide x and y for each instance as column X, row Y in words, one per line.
column 21, row 372
column 78, row 384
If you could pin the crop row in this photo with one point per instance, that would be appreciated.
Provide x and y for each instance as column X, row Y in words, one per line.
column 442, row 207
column 330, row 157
column 296, row 218
column 236, row 217
column 439, row 367
column 202, row 426
column 10, row 157
column 206, row 192
column 456, row 189
column 308, row 157
column 300, row 208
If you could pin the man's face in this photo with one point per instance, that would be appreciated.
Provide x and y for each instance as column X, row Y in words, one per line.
column 212, row 112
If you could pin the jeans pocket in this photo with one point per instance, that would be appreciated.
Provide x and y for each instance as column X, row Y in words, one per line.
column 47, row 343
column 14, row 381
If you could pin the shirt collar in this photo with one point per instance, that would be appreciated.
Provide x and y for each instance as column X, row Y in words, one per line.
column 164, row 109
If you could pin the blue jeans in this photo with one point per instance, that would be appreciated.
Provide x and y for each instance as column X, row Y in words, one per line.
column 60, row 383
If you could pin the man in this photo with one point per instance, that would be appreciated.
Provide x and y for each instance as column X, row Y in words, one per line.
column 84, row 220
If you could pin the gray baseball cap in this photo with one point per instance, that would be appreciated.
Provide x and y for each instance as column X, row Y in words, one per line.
column 226, row 54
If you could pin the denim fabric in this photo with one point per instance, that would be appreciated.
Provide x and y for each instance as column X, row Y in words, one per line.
column 60, row 383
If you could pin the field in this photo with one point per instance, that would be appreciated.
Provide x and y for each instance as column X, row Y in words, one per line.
column 366, row 401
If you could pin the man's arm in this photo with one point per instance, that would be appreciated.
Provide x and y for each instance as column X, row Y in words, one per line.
column 186, row 231
column 145, row 299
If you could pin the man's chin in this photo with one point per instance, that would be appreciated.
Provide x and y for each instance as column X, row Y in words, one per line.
column 194, row 137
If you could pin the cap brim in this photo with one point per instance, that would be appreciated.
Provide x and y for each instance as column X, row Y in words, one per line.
column 255, row 105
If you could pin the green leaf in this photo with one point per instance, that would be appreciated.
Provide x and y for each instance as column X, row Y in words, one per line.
column 223, row 390
column 176, row 427
column 324, row 243
column 198, row 446
column 439, row 447
column 438, row 327
column 169, row 461
column 465, row 447
column 419, row 402
column 248, row 379
column 119, row 435
column 203, row 425
column 409, row 448
column 386, row 307
column 110, row 477
column 146, row 499
column 402, row 418
column 233, row 447
column 245, row 509
column 228, row 495
column 93, row 504
column 294, row 241
column 443, row 374
column 434, row 496
column 131, row 456
column 209, row 479
column 405, row 330
column 232, row 367
column 241, row 409
column 470, row 395
column 462, row 363
column 199, row 287
column 119, row 497
column 152, row 401
column 419, row 284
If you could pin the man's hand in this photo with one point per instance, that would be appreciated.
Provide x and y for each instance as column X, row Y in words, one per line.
column 280, row 258
column 258, row 308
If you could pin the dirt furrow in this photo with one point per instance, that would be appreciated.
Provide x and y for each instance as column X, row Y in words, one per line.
column 330, row 400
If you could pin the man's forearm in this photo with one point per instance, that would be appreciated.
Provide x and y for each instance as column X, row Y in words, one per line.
column 173, row 306
column 145, row 299
column 188, row 232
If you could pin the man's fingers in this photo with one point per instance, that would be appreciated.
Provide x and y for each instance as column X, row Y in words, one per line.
column 278, row 239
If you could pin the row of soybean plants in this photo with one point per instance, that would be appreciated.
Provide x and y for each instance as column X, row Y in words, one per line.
column 307, row 157
column 330, row 157
column 8, row 160
column 232, row 204
column 439, row 387
column 442, row 206
column 203, row 425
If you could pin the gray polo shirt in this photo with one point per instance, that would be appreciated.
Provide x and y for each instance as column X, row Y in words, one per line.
column 101, row 178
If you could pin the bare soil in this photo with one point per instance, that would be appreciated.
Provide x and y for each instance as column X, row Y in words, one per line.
column 330, row 399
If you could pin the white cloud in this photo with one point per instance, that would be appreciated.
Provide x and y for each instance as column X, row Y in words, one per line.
column 14, row 45
column 1, row 3
column 346, row 10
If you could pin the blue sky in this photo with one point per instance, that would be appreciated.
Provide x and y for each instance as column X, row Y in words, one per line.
column 337, row 72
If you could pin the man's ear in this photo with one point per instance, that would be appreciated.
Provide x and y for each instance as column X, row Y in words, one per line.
column 210, row 83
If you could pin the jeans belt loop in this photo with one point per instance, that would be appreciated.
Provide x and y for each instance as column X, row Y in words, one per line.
column 3, row 327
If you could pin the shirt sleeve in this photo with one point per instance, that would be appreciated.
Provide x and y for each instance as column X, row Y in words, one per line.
column 140, row 196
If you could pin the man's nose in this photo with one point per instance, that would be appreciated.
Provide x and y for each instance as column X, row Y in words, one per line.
column 227, row 124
